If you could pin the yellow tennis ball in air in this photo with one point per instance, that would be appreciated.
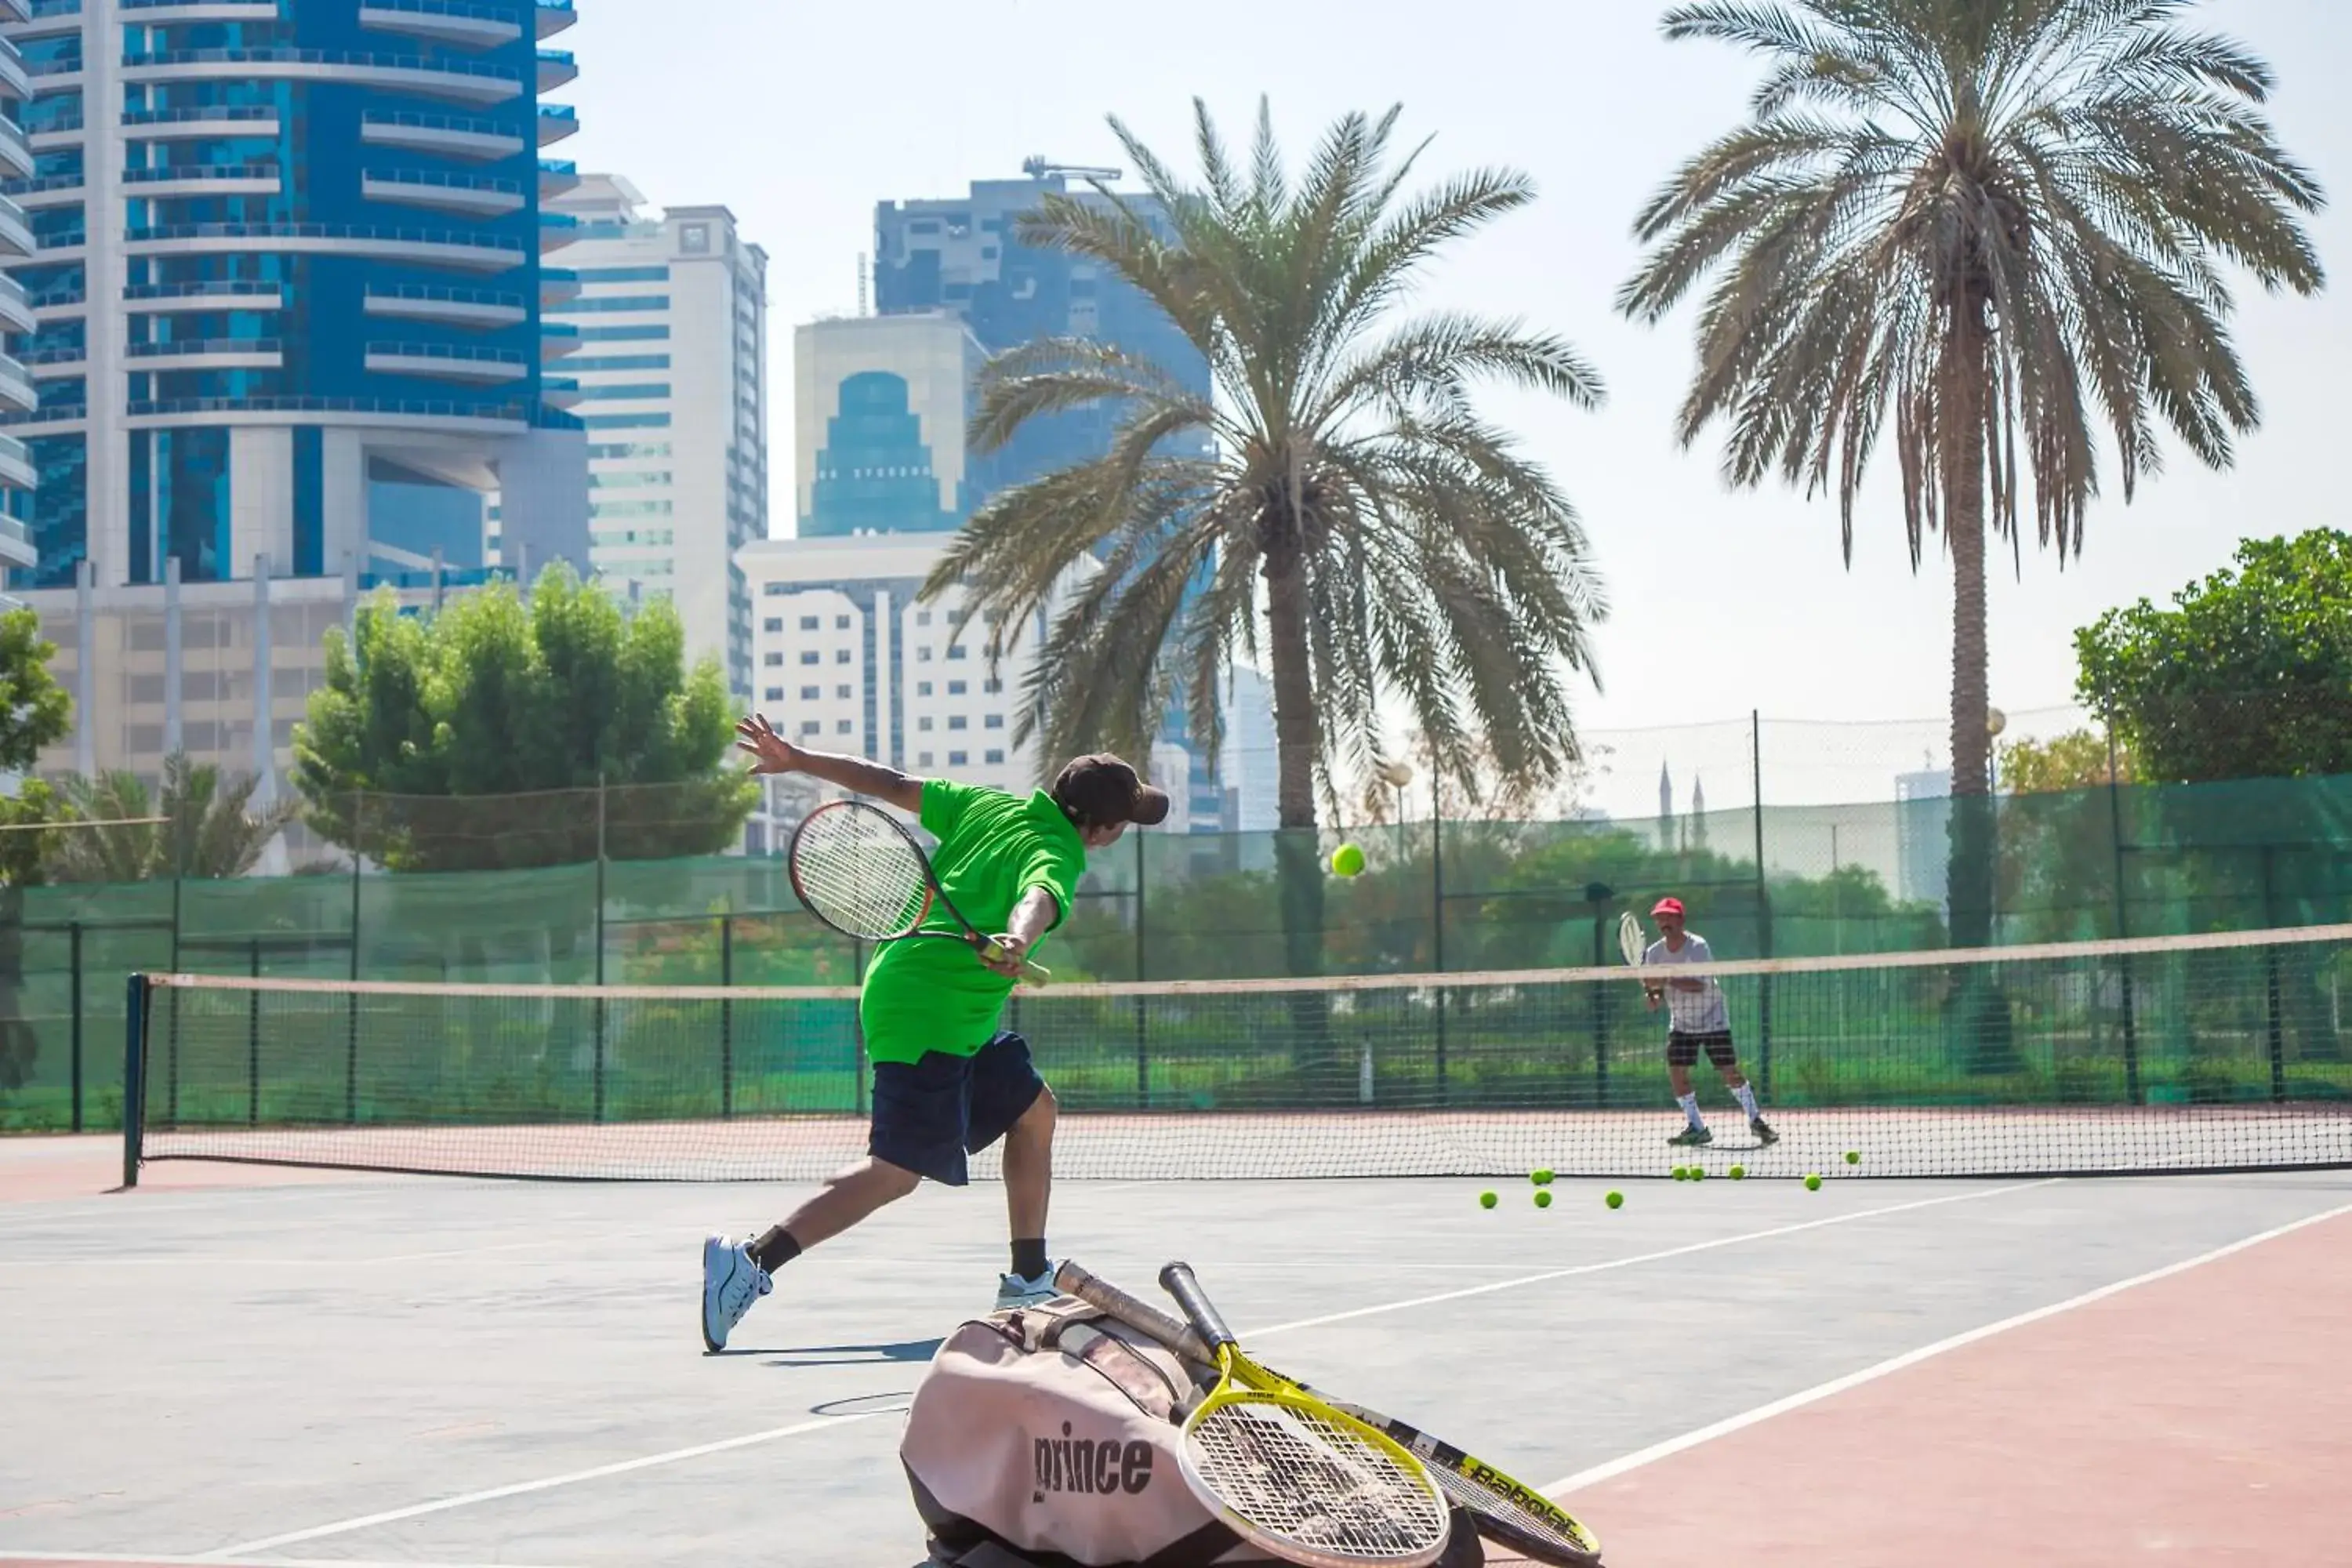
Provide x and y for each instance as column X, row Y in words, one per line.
column 1853, row 1156
column 1543, row 1197
column 1487, row 1200
column 1615, row 1200
column 1739, row 1172
column 1812, row 1183
column 1348, row 860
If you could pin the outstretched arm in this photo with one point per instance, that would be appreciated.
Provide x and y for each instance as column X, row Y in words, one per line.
column 772, row 753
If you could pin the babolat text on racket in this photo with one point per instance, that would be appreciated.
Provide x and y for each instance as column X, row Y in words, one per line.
column 1293, row 1475
column 861, row 872
column 1505, row 1511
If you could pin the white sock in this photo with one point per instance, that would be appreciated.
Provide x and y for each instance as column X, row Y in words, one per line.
column 1746, row 1093
column 1689, row 1102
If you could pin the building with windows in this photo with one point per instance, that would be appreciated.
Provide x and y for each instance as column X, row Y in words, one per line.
column 670, row 325
column 879, row 417
column 963, row 255
column 847, row 661
column 17, row 395
column 284, row 302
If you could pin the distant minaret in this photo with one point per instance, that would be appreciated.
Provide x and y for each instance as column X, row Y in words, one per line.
column 1698, row 815
column 1666, row 810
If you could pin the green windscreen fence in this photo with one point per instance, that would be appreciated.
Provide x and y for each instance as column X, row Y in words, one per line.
column 2137, row 861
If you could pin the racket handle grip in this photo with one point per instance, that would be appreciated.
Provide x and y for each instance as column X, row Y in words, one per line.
column 1176, row 1279
column 1036, row 973
column 1142, row 1315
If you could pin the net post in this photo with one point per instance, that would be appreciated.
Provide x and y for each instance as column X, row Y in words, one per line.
column 73, row 965
column 134, row 1077
column 727, row 1017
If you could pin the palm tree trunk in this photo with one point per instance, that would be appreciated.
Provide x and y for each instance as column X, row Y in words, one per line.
column 1299, row 861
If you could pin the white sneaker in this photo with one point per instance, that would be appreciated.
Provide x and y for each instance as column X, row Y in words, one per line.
column 1011, row 1290
column 730, row 1283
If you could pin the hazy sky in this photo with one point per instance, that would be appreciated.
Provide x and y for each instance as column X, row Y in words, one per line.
column 800, row 117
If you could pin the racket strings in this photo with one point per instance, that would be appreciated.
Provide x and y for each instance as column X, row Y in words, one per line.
column 1311, row 1483
column 1508, row 1505
column 857, row 871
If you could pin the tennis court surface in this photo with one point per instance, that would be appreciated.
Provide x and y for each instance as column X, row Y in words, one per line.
column 259, row 1366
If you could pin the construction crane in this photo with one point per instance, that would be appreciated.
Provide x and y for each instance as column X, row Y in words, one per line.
column 1045, row 169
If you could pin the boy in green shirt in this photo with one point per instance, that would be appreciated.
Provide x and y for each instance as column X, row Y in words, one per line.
column 947, row 1081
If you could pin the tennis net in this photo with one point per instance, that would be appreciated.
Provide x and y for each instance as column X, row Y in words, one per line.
column 2226, row 1052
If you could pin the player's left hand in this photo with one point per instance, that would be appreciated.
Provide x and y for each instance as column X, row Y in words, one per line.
column 1003, row 954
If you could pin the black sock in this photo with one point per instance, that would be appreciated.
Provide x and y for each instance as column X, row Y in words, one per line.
column 775, row 1249
column 1029, row 1256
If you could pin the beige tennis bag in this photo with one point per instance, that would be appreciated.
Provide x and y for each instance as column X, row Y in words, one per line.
column 1047, row 1436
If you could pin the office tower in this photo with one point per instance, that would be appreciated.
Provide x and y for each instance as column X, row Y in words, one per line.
column 286, row 296
column 17, row 475
column 671, row 323
column 879, row 415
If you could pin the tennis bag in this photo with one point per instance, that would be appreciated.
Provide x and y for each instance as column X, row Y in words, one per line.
column 1047, row 1436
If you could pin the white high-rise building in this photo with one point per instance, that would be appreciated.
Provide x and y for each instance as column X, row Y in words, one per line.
column 671, row 322
column 845, row 660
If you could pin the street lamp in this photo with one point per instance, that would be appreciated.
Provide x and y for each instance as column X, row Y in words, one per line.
column 1396, row 775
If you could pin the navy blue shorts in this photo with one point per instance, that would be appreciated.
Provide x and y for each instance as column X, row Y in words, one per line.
column 930, row 1114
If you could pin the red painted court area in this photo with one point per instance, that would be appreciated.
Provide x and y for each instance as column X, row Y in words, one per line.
column 2204, row 1417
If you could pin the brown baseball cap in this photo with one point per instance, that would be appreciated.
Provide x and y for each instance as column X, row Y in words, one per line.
column 1100, row 790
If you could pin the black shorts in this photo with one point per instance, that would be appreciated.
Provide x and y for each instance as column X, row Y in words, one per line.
column 1682, row 1050
column 930, row 1114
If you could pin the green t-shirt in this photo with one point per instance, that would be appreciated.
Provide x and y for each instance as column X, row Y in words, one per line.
column 923, row 995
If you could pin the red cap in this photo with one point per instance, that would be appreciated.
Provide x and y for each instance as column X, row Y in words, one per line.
column 1668, row 906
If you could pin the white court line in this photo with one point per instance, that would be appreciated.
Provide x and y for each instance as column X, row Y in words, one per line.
column 467, row 1500
column 1682, row 1251
column 1836, row 1385
column 9, row 1555
column 625, row 1465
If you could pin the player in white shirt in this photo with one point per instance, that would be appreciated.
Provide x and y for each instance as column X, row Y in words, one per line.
column 1696, row 1019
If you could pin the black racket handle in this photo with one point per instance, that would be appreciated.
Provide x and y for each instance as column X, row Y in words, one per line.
column 1178, row 1281
column 1140, row 1315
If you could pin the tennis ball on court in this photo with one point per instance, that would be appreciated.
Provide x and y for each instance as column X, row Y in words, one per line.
column 1853, row 1156
column 1348, row 860
column 1681, row 1174
column 1487, row 1200
column 1615, row 1200
column 1541, row 1178
column 1812, row 1183
column 1543, row 1198
column 1739, row 1172
column 1698, row 1173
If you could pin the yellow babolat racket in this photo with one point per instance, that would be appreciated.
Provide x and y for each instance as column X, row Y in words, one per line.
column 1296, row 1475
column 1507, row 1511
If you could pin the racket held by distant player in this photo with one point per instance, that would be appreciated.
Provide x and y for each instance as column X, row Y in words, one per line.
column 1292, row 1475
column 1508, row 1512
column 861, row 872
column 1630, row 943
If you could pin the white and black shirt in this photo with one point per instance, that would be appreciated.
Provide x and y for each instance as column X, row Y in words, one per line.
column 1700, row 1012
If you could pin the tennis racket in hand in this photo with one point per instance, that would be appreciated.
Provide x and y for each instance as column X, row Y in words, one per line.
column 861, row 872
column 1293, row 1475
column 1630, row 943
column 1507, row 1511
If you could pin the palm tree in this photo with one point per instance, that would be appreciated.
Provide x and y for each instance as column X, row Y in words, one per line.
column 1336, row 506
column 2002, row 222
column 208, row 829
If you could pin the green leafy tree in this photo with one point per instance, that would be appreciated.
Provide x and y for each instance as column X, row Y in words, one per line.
column 210, row 827
column 2003, row 225
column 2079, row 759
column 35, row 713
column 2248, row 674
column 502, row 733
column 1334, row 510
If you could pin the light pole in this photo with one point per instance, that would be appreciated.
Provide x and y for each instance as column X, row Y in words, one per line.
column 1396, row 775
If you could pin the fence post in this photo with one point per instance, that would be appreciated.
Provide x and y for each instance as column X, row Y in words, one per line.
column 134, row 1077
column 253, row 1041
column 598, row 1009
column 1437, row 908
column 2123, row 924
column 727, row 1017
column 73, row 965
column 858, row 1023
column 351, row 1011
column 1142, row 1028
column 171, row 1038
column 1763, row 909
column 2270, row 986
column 1599, row 896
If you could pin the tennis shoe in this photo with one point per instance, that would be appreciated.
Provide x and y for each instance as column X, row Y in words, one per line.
column 1764, row 1133
column 1012, row 1290
column 1691, row 1137
column 731, row 1281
